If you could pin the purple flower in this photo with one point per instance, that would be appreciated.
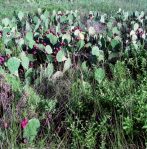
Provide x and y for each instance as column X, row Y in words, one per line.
column 24, row 123
column 2, row 60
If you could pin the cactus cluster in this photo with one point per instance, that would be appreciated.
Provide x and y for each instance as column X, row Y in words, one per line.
column 31, row 40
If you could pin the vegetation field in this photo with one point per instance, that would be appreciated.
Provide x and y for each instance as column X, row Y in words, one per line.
column 73, row 74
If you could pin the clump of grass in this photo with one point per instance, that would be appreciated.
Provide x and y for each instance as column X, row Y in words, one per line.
column 7, row 7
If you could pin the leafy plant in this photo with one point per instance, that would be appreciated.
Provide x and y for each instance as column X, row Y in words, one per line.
column 31, row 130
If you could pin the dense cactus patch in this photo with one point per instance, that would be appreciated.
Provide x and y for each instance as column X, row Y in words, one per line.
column 30, row 40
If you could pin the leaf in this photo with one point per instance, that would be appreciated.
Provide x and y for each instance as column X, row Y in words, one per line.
column 20, row 15
column 115, row 31
column 114, row 43
column 5, row 31
column 99, row 74
column 46, row 23
column 35, row 19
column 1, row 70
column 113, row 55
column 63, row 19
column 28, row 26
column 6, row 21
column 86, row 87
column 31, row 58
column 31, row 43
column 1, row 28
column 80, row 44
column 70, row 17
column 109, row 24
column 8, row 51
column 49, row 59
column 66, row 37
column 53, row 39
column 67, row 65
column 28, row 73
column 43, row 17
column 46, row 14
column 126, row 15
column 98, row 53
column 13, row 64
column 37, row 24
column 48, row 49
column 29, row 36
column 136, row 26
column 95, row 51
column 31, row 130
column 49, row 70
column 58, row 28
column 60, row 56
column 102, row 20
column 134, row 38
column 132, row 33
column 24, row 60
column 20, row 42
column 39, row 11
column 84, row 66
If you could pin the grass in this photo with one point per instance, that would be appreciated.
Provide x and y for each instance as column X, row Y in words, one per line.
column 99, row 115
column 7, row 7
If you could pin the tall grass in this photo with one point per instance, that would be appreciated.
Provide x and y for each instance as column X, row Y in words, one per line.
column 7, row 7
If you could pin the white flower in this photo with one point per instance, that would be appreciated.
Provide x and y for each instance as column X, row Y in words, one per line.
column 59, row 12
column 81, row 36
column 143, row 35
column 72, row 27
column 76, row 11
column 91, row 31
column 76, row 33
column 140, row 30
column 67, row 11
column 134, row 38
column 132, row 33
column 119, row 10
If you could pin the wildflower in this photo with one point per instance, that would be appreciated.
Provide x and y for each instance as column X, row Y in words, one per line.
column 24, row 123
column 5, row 125
column 77, row 31
column 91, row 31
column 1, row 60
column 81, row 36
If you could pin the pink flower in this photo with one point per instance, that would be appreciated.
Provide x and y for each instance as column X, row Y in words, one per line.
column 24, row 123
column 5, row 125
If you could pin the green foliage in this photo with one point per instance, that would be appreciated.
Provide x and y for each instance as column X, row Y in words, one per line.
column 67, row 64
column 53, row 39
column 49, row 70
column 102, row 101
column 13, row 65
column 33, row 99
column 99, row 74
column 31, row 130
column 24, row 60
column 60, row 56
column 128, row 125
column 98, row 53
column 48, row 49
